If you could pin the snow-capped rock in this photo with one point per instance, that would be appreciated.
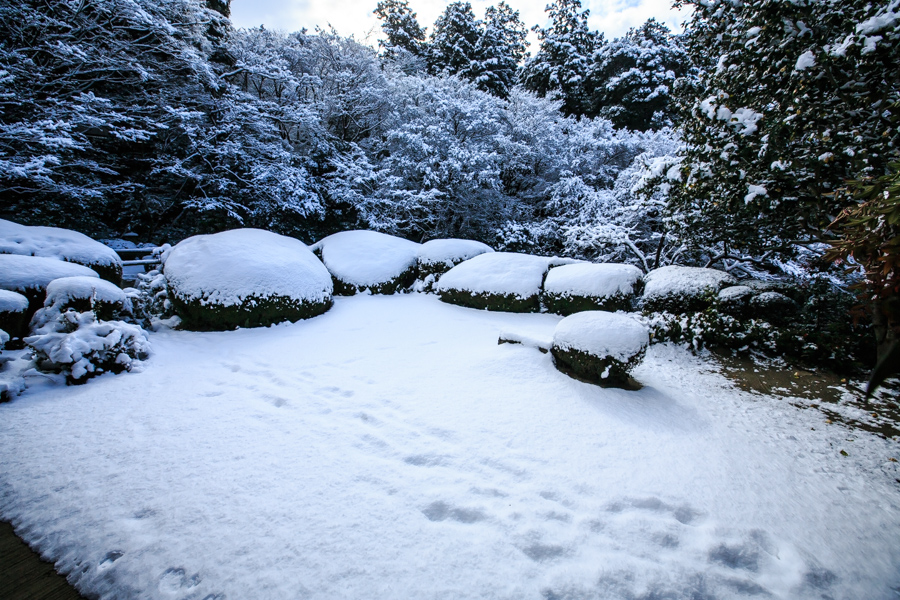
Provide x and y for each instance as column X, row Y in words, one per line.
column 600, row 346
column 679, row 289
column 587, row 286
column 245, row 278
column 368, row 260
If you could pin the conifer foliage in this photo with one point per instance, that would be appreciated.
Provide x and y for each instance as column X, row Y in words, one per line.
column 794, row 99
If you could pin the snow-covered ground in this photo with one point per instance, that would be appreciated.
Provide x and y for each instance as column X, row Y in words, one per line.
column 392, row 449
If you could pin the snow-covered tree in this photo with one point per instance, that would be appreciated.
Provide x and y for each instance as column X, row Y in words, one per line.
column 501, row 47
column 405, row 37
column 454, row 41
column 795, row 98
column 561, row 64
column 633, row 77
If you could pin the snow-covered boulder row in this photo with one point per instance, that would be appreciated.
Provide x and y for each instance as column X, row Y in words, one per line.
column 505, row 281
column 368, row 261
column 436, row 257
column 107, row 300
column 600, row 346
column 245, row 278
column 30, row 275
column 61, row 244
column 586, row 286
column 773, row 307
column 13, row 313
column 735, row 300
column 680, row 289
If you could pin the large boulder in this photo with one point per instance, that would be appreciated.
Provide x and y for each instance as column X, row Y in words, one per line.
column 599, row 346
column 61, row 244
column 13, row 314
column 735, row 300
column 245, row 278
column 30, row 275
column 504, row 281
column 436, row 257
column 368, row 261
column 678, row 289
column 586, row 286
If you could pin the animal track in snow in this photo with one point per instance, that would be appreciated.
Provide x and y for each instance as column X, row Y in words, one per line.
column 174, row 580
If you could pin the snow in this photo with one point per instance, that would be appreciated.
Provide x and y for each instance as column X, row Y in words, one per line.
column 806, row 60
column 226, row 268
column 888, row 18
column 508, row 273
column 450, row 251
column 595, row 280
column 390, row 448
column 53, row 242
column 367, row 258
column 753, row 191
column 675, row 280
column 19, row 273
column 12, row 302
column 602, row 334
column 70, row 288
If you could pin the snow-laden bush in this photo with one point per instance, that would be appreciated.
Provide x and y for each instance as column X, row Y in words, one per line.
column 245, row 278
column 586, row 286
column 30, row 275
column 368, row 260
column 600, row 346
column 150, row 298
column 107, row 301
column 82, row 346
column 13, row 313
column 61, row 244
column 436, row 257
column 678, row 289
column 505, row 281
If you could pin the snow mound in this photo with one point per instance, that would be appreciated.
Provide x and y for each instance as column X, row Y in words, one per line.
column 680, row 289
column 61, row 244
column 30, row 275
column 368, row 260
column 600, row 346
column 439, row 256
column 86, row 293
column 506, row 281
column 13, row 314
column 12, row 302
column 587, row 286
column 245, row 278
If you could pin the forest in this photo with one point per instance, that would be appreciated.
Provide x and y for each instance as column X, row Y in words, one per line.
column 762, row 141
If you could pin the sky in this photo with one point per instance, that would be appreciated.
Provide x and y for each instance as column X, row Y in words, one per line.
column 612, row 17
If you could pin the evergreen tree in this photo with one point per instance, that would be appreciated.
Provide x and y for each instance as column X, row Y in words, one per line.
column 633, row 77
column 795, row 99
column 454, row 42
column 500, row 49
column 563, row 60
column 399, row 24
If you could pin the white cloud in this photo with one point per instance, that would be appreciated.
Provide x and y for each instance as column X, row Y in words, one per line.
column 612, row 17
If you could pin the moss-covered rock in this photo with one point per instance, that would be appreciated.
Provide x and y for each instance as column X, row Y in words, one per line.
column 245, row 278
column 677, row 289
column 488, row 301
column 600, row 347
column 201, row 314
column 735, row 300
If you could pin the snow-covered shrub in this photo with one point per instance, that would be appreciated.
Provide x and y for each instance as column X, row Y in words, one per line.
column 678, row 289
column 436, row 257
column 30, row 275
column 82, row 346
column 61, row 244
column 505, row 281
column 13, row 314
column 245, row 278
column 150, row 299
column 587, row 286
column 368, row 260
column 735, row 300
column 600, row 346
column 773, row 307
column 107, row 301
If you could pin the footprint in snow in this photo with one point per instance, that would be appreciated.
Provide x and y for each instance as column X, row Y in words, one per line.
column 109, row 559
column 441, row 511
column 173, row 580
